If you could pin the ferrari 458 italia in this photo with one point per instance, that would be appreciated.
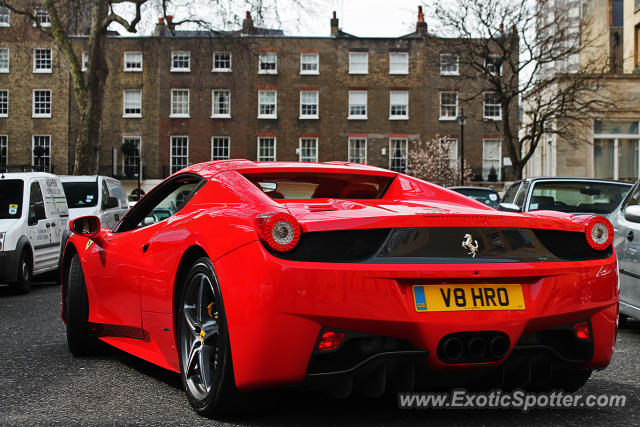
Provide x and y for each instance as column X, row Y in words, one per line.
column 244, row 276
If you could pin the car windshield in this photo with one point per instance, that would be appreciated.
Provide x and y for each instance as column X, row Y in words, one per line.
column 11, row 198
column 81, row 194
column 489, row 198
column 307, row 185
column 577, row 197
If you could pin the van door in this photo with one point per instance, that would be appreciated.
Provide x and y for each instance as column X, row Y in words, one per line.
column 115, row 190
column 57, row 212
column 38, row 230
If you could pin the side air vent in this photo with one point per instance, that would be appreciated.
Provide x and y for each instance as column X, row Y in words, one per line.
column 321, row 208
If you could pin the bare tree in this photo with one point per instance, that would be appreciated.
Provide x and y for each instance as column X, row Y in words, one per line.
column 531, row 53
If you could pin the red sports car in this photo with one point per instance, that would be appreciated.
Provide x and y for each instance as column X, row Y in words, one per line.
column 243, row 276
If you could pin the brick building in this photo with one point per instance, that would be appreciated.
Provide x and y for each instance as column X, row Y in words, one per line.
column 193, row 96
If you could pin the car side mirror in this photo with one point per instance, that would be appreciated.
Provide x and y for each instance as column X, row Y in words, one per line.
column 110, row 203
column 632, row 213
column 87, row 226
column 509, row 207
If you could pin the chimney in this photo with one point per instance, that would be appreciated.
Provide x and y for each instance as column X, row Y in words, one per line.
column 160, row 28
column 334, row 25
column 247, row 24
column 421, row 26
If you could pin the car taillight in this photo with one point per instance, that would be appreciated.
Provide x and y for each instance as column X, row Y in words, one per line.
column 599, row 233
column 330, row 340
column 279, row 230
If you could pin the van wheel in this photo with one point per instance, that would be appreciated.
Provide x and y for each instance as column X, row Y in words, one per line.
column 80, row 340
column 25, row 274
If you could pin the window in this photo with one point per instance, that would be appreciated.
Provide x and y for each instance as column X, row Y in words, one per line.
column 399, row 63
column 4, row 150
column 358, row 63
column 4, row 103
column 132, row 103
column 308, row 151
column 266, row 149
column 309, row 63
column 179, row 153
column 449, row 64
column 267, row 104
column 85, row 61
column 42, row 16
column 221, row 62
column 494, row 64
column 42, row 103
column 180, row 103
column 448, row 105
column 490, row 158
column 398, row 154
column 42, row 60
column 131, row 162
column 308, row 104
column 492, row 106
column 41, row 156
column 4, row 60
column 5, row 17
column 221, row 104
column 615, row 149
column 133, row 61
column 448, row 149
column 357, row 104
column 398, row 105
column 268, row 63
column 220, row 147
column 180, row 62
column 358, row 150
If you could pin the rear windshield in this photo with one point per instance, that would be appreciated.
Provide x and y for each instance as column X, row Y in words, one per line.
column 297, row 185
column 11, row 198
column 577, row 197
column 81, row 194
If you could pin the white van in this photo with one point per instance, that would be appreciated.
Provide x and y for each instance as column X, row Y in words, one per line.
column 96, row 195
column 34, row 225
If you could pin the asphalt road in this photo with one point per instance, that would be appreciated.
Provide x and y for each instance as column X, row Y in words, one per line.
column 42, row 384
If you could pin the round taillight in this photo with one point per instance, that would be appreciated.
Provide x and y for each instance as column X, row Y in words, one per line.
column 279, row 230
column 599, row 233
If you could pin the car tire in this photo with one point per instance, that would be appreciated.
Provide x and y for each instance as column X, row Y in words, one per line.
column 25, row 273
column 80, row 339
column 204, row 352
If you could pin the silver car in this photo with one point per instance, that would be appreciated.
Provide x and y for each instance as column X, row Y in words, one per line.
column 626, row 223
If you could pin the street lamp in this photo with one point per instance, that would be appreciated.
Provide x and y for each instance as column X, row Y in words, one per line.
column 461, row 119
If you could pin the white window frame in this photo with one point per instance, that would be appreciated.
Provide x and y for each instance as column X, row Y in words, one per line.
column 5, row 22
column 352, row 63
column 262, row 59
column 7, row 114
column 391, row 104
column 126, row 62
column 405, row 157
column 47, row 157
column 366, row 109
column 499, row 159
column 317, row 105
column 180, row 115
column 316, row 63
column 228, row 147
column 452, row 149
column 8, row 68
column 40, row 13
column 222, row 70
column 171, row 162
column 85, row 61
column 350, row 141
column 4, row 142
column 301, row 156
column 137, row 157
column 175, row 53
column 497, row 117
column 125, row 106
column 275, row 152
column 219, row 115
column 37, row 70
column 489, row 65
column 275, row 104
column 33, row 105
column 404, row 63
column 457, row 104
column 455, row 72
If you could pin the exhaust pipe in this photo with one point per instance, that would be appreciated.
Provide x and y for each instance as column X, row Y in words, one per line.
column 477, row 347
column 499, row 346
column 453, row 348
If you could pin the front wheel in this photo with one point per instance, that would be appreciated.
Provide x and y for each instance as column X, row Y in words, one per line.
column 204, row 351
column 80, row 339
column 25, row 273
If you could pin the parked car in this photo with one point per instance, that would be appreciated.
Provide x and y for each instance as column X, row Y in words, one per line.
column 97, row 195
column 626, row 223
column 340, row 277
column 488, row 196
column 571, row 195
column 33, row 226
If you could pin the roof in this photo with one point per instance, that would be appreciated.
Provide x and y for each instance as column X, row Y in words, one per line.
column 83, row 178
column 257, row 32
column 25, row 175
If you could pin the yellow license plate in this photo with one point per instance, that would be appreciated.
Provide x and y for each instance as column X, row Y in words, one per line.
column 468, row 297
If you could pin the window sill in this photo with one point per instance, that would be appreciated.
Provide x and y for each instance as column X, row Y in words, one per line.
column 41, row 116
column 268, row 117
column 180, row 70
column 42, row 71
column 43, row 24
column 401, row 73
column 221, row 116
column 357, row 118
column 309, row 73
column 492, row 119
column 274, row 72
column 221, row 70
column 398, row 117
column 4, row 71
column 449, row 74
column 309, row 117
column 179, row 116
column 132, row 70
column 448, row 119
column 4, row 116
column 132, row 116
column 5, row 25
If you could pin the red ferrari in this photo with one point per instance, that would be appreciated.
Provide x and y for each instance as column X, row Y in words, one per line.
column 347, row 278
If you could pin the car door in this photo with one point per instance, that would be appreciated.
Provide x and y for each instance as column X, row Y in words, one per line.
column 38, row 228
column 627, row 246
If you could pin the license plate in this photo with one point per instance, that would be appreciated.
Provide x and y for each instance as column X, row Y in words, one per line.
column 465, row 297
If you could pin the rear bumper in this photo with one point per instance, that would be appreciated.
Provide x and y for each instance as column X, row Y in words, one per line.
column 276, row 308
column 9, row 266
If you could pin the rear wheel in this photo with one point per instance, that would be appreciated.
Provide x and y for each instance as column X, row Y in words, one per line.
column 25, row 273
column 80, row 340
